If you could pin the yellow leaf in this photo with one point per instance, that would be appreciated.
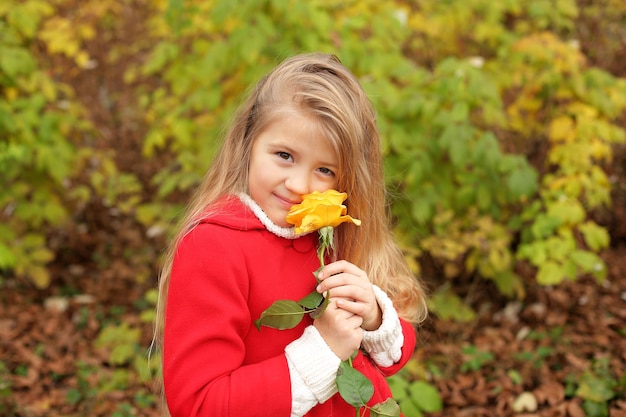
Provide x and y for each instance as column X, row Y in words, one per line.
column 86, row 32
column 82, row 59
column 599, row 150
column 11, row 93
column 562, row 129
column 39, row 276
column 60, row 37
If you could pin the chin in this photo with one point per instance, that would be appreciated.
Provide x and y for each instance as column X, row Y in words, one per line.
column 281, row 223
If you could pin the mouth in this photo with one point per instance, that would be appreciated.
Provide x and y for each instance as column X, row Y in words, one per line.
column 286, row 202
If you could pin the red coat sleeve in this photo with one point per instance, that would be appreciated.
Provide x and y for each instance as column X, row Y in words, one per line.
column 207, row 319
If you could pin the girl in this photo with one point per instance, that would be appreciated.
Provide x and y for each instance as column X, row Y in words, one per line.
column 307, row 126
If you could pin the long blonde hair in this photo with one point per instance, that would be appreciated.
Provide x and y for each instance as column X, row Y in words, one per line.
column 321, row 87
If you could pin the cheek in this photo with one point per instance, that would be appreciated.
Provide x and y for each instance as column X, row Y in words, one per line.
column 259, row 181
column 254, row 184
column 325, row 185
column 333, row 182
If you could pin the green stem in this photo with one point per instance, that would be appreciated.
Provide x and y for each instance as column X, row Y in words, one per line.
column 320, row 253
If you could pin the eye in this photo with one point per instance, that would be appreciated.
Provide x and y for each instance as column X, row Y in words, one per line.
column 326, row 171
column 284, row 155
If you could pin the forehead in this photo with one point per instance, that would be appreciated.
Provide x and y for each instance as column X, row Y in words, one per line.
column 298, row 134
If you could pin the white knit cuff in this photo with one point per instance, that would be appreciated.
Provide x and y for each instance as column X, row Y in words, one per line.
column 315, row 363
column 384, row 345
column 302, row 399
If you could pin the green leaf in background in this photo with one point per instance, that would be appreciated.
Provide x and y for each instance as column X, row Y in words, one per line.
column 121, row 340
column 596, row 237
column 550, row 273
column 522, row 183
column 544, row 225
column 595, row 388
column 595, row 409
column 426, row 396
column 535, row 252
column 569, row 211
column 282, row 314
column 15, row 61
column 398, row 385
column 590, row 263
column 449, row 306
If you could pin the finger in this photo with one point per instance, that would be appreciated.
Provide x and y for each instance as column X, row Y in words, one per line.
column 339, row 267
column 354, row 307
column 344, row 279
column 345, row 288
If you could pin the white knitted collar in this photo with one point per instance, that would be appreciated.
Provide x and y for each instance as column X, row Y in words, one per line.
column 284, row 232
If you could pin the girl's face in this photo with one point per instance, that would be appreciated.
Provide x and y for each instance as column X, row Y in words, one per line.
column 290, row 158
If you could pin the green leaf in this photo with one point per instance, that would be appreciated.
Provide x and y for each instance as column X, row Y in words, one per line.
column 426, row 396
column 319, row 310
column 421, row 210
column 595, row 409
column 449, row 306
column 121, row 340
column 16, row 61
column 596, row 237
column 459, row 112
column 589, row 262
column 550, row 273
column 508, row 283
column 594, row 388
column 312, row 300
column 545, row 225
column 410, row 408
column 568, row 211
column 73, row 396
column 7, row 257
column 163, row 53
column 535, row 252
column 353, row 386
column 387, row 408
column 39, row 276
column 522, row 183
column 282, row 314
column 398, row 386
column 122, row 353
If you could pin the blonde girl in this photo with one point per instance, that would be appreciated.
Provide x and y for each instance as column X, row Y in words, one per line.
column 307, row 126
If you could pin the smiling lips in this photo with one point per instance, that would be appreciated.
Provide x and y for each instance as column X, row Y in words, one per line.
column 285, row 202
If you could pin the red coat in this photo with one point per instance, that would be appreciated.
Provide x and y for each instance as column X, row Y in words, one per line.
column 215, row 362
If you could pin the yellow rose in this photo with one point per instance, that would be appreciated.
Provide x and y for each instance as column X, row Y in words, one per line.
column 318, row 210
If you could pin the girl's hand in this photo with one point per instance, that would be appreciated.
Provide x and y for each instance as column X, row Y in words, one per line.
column 352, row 291
column 340, row 329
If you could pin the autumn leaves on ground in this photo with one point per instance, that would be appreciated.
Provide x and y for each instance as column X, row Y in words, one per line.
column 79, row 347
column 559, row 341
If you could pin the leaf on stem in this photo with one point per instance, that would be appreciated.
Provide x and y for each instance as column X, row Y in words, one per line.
column 311, row 301
column 353, row 386
column 319, row 310
column 281, row 315
column 387, row 408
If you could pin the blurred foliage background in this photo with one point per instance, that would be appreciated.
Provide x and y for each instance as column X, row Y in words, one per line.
column 503, row 126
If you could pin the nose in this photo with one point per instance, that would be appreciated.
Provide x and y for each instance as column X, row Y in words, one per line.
column 298, row 182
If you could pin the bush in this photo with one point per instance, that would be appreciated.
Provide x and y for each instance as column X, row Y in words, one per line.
column 497, row 130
